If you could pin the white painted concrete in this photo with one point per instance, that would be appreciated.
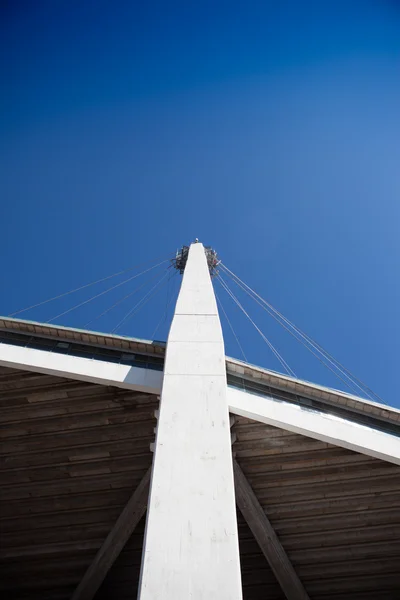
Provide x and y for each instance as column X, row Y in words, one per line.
column 83, row 369
column 191, row 541
column 317, row 425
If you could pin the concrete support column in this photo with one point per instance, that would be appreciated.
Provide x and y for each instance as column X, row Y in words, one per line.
column 191, row 546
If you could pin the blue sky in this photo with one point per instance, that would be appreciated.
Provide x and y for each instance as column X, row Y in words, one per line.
column 269, row 130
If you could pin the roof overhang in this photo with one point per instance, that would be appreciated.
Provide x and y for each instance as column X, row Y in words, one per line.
column 264, row 407
column 311, row 390
column 83, row 336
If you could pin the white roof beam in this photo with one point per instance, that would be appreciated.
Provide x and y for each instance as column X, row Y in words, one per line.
column 314, row 424
column 82, row 369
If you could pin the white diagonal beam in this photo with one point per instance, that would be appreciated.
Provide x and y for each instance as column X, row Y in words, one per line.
column 81, row 369
column 314, row 424
column 266, row 537
column 191, row 543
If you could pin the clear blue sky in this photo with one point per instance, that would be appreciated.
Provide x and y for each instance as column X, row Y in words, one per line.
column 270, row 130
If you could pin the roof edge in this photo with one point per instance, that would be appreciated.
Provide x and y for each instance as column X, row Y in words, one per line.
column 81, row 335
column 312, row 390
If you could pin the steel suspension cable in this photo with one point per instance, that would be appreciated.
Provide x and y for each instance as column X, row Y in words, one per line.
column 135, row 291
column 351, row 387
column 264, row 337
column 105, row 291
column 169, row 302
column 267, row 341
column 328, row 357
column 82, row 287
column 230, row 325
column 141, row 302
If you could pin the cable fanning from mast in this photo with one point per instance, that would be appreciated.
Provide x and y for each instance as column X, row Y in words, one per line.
column 105, row 292
column 307, row 340
column 142, row 302
column 135, row 291
column 82, row 287
column 230, row 325
column 264, row 337
column 169, row 302
column 346, row 383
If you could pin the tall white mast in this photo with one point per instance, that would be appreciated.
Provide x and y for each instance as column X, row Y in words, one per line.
column 191, row 548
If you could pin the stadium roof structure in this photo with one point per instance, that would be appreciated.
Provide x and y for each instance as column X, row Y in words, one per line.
column 141, row 469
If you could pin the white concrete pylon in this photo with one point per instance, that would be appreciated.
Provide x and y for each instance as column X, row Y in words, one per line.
column 191, row 545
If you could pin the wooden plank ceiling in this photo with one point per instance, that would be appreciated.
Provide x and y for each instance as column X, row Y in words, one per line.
column 336, row 512
column 72, row 453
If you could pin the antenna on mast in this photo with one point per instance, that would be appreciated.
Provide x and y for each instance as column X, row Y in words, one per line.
column 181, row 257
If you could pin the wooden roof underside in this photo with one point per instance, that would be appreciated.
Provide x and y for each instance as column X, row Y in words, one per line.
column 72, row 453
